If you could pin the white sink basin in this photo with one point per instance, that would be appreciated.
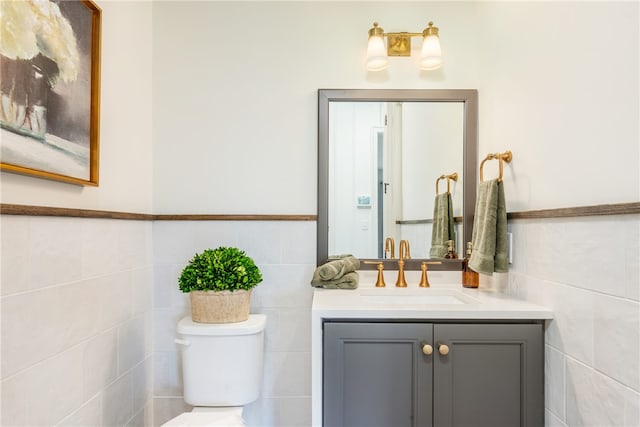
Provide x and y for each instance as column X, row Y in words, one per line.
column 399, row 296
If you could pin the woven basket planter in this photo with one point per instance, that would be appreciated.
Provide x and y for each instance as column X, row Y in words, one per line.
column 220, row 306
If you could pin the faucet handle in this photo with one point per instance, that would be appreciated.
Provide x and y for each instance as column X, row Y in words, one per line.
column 424, row 280
column 380, row 281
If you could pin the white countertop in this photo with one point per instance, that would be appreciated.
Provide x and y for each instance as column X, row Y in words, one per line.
column 415, row 303
column 438, row 302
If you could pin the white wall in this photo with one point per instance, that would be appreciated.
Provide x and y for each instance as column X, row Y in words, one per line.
column 235, row 92
column 592, row 347
column 125, row 123
column 563, row 96
column 76, row 304
column 234, row 129
column 543, row 94
column 559, row 87
column 76, row 294
column 285, row 253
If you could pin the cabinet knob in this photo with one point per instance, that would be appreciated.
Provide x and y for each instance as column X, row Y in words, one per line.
column 427, row 349
column 443, row 349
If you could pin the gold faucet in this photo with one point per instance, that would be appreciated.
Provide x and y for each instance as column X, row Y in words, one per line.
column 389, row 245
column 401, row 282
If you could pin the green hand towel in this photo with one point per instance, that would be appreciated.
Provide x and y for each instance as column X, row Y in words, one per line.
column 442, row 225
column 489, row 237
column 337, row 268
column 348, row 281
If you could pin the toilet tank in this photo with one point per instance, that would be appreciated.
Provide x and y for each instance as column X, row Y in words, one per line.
column 222, row 362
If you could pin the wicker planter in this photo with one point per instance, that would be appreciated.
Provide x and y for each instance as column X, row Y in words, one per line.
column 220, row 307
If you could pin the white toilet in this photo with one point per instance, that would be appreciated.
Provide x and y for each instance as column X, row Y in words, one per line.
column 221, row 370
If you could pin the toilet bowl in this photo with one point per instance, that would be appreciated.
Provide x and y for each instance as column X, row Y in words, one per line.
column 221, row 370
column 227, row 417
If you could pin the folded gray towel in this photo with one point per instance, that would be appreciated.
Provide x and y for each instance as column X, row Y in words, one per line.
column 337, row 268
column 489, row 238
column 348, row 281
column 442, row 225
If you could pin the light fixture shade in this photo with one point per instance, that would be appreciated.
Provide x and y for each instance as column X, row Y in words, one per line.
column 376, row 52
column 431, row 56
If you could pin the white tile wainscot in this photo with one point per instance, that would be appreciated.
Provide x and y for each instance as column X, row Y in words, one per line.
column 479, row 304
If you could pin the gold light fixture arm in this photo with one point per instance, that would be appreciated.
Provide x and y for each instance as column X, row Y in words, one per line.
column 399, row 43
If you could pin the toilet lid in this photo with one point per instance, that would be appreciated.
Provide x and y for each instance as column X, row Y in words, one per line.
column 194, row 419
column 253, row 325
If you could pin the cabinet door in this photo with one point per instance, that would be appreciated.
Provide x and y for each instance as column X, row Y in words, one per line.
column 492, row 375
column 376, row 375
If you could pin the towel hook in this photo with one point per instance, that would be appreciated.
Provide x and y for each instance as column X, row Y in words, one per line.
column 453, row 176
column 507, row 156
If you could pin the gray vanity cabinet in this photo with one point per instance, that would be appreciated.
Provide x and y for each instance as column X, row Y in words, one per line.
column 377, row 374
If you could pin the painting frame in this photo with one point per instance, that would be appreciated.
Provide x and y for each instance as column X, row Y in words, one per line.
column 91, row 119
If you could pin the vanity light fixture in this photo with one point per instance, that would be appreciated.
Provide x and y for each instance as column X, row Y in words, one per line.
column 399, row 44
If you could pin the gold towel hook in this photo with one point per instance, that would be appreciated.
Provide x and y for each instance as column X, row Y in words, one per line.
column 507, row 156
column 437, row 181
column 453, row 176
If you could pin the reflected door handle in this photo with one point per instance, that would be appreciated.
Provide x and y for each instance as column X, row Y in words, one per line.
column 385, row 184
column 443, row 349
column 427, row 350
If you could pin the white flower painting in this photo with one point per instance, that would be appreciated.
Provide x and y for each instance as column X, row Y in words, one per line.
column 49, row 51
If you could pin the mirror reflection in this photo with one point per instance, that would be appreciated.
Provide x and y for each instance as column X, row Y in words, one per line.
column 384, row 161
column 380, row 154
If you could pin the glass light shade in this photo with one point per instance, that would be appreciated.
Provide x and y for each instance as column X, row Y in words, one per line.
column 431, row 56
column 376, row 54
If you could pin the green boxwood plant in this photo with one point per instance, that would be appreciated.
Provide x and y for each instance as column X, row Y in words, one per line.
column 220, row 269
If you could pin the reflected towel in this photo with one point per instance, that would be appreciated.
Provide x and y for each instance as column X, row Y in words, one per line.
column 489, row 238
column 442, row 225
column 348, row 281
column 338, row 267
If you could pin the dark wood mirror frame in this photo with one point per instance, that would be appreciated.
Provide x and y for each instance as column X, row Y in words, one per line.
column 469, row 97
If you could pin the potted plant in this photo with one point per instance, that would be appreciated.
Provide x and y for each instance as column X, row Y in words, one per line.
column 219, row 282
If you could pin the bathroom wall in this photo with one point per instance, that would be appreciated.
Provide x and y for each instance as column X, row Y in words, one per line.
column 586, row 271
column 76, row 294
column 235, row 92
column 235, row 119
column 234, row 127
column 554, row 87
column 76, row 322
column 285, row 253
column 125, row 123
column 563, row 96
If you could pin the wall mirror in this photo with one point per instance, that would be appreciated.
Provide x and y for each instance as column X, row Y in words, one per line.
column 380, row 153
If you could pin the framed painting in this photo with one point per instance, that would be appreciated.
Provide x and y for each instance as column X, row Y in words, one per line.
column 50, row 89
